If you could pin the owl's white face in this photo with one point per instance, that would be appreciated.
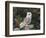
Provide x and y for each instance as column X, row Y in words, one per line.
column 29, row 14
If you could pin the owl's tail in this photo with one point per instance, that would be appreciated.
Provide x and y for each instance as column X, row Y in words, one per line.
column 22, row 24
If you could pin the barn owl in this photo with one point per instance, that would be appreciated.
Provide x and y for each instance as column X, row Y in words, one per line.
column 27, row 20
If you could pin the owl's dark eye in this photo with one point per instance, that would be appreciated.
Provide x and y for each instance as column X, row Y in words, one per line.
column 28, row 14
